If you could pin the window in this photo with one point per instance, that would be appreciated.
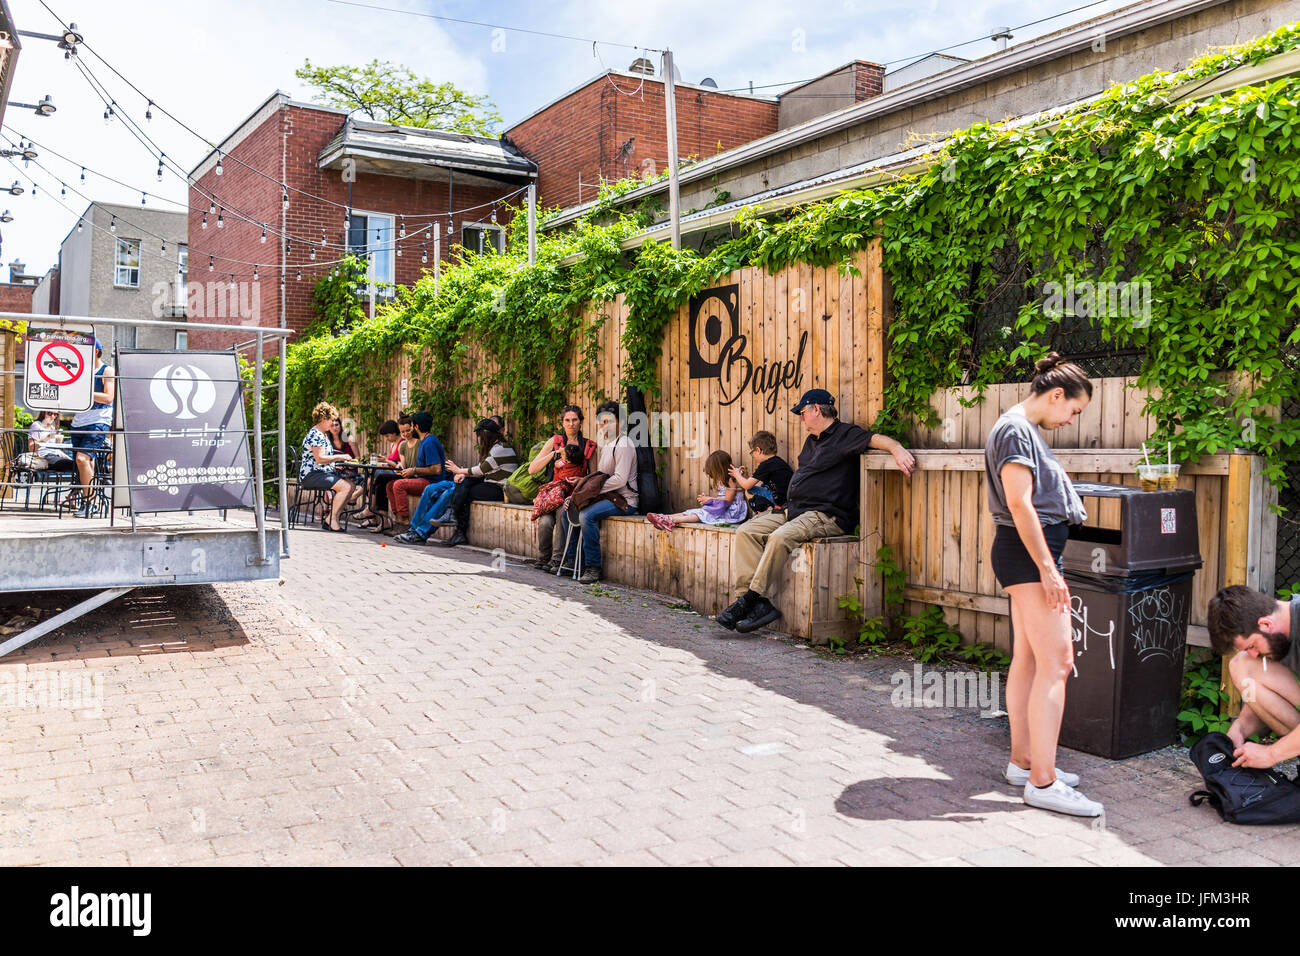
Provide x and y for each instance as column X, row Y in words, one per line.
column 126, row 337
column 483, row 237
column 127, row 264
column 182, row 278
column 372, row 234
column 182, row 340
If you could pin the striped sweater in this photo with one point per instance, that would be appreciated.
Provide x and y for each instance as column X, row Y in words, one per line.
column 500, row 464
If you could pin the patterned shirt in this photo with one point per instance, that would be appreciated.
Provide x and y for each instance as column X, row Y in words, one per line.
column 315, row 439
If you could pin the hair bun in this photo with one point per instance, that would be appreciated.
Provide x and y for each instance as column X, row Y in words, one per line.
column 1047, row 363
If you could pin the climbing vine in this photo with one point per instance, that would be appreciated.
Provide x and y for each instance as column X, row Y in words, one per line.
column 1191, row 201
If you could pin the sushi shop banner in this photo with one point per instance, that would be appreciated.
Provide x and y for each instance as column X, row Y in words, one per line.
column 186, row 447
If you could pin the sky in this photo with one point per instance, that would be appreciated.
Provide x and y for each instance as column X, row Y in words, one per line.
column 211, row 65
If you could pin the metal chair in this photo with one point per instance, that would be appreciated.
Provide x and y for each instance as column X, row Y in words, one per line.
column 12, row 447
column 575, row 527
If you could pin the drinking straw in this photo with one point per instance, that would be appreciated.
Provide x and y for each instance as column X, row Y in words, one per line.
column 1144, row 453
column 1170, row 448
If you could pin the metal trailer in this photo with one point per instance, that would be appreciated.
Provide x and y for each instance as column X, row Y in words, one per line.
column 40, row 551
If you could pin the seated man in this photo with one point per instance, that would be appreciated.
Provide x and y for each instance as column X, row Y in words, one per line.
column 1265, row 633
column 821, row 502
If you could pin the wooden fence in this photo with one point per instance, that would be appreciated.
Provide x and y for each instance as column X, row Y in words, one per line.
column 734, row 362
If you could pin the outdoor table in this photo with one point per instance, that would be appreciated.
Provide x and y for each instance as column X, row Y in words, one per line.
column 368, row 471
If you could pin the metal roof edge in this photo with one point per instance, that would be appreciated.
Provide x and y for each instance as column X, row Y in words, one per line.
column 1122, row 22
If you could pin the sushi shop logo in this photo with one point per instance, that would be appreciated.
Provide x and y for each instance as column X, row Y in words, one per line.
column 185, row 391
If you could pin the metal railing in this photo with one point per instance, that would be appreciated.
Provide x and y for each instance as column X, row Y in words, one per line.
column 280, row 335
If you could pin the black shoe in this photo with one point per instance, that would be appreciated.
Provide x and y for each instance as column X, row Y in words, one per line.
column 457, row 538
column 738, row 611
column 763, row 612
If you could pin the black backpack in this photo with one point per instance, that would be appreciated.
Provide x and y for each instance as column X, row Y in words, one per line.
column 1242, row 794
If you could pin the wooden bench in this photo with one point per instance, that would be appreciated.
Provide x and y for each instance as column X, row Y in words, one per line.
column 693, row 563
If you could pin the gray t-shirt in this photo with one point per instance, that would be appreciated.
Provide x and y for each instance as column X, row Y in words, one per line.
column 1015, row 439
column 1292, row 658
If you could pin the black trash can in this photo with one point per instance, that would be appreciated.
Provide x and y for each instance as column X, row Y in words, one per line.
column 1130, row 595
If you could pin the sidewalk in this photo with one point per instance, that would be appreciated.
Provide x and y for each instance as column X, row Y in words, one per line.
column 405, row 705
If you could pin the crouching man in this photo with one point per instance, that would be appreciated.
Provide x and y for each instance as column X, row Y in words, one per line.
column 821, row 502
column 1264, row 634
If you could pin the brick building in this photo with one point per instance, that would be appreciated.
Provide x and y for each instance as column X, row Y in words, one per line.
column 370, row 187
column 614, row 126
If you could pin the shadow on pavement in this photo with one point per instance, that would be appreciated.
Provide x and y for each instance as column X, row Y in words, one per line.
column 143, row 621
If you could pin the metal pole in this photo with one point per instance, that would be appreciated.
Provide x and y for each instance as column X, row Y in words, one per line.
column 283, row 452
column 260, row 509
column 437, row 256
column 532, row 224
column 670, row 105
column 370, row 260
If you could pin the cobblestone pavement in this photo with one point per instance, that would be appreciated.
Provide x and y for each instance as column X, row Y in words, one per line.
column 403, row 705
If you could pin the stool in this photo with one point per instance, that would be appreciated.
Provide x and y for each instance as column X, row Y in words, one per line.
column 576, row 568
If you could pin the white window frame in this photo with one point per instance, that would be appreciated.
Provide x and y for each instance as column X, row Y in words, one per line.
column 385, row 266
column 182, row 278
column 484, row 229
column 182, row 340
column 122, row 272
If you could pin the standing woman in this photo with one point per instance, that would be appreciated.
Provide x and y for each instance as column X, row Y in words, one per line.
column 1033, row 505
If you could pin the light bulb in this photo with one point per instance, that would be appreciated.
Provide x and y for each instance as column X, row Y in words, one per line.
column 285, row 199
column 219, row 170
column 254, row 273
column 221, row 220
column 112, row 226
column 264, row 233
column 299, row 279
column 205, row 220
column 313, row 252
column 148, row 111
column 212, row 205
column 210, row 264
column 78, row 225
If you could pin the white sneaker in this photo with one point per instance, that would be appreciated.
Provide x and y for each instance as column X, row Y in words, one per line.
column 1062, row 799
column 1018, row 778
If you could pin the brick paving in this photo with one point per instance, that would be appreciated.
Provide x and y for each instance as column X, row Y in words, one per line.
column 364, row 713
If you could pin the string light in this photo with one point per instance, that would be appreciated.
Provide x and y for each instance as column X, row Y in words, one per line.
column 205, row 220
column 494, row 214
column 285, row 198
column 264, row 232
column 288, row 246
column 219, row 170
column 424, row 253
column 323, row 241
column 79, row 225
column 211, row 264
column 402, row 233
column 299, row 278
column 212, row 206
column 232, row 282
column 313, row 252
column 221, row 218
column 112, row 226
column 142, row 195
column 163, row 251
column 63, row 191
column 148, row 111
column 254, row 273
column 161, row 157
column 83, row 174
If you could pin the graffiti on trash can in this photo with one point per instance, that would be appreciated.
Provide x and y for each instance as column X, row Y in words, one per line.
column 1154, row 617
column 1081, row 630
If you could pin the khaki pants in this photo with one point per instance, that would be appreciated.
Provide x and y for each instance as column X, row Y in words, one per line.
column 763, row 544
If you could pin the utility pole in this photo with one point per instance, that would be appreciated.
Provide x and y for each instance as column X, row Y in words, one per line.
column 532, row 224
column 670, row 104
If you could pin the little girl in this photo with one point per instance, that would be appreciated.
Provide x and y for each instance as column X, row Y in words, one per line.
column 728, row 507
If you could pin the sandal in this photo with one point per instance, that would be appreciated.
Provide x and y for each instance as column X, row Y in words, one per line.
column 378, row 528
column 662, row 522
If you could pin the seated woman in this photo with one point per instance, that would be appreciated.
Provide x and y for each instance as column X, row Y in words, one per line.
column 341, row 444
column 40, row 457
column 370, row 517
column 552, row 457
column 316, row 470
column 483, row 481
column 618, row 495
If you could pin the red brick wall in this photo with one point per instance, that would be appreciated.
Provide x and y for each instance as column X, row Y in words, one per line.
column 302, row 133
column 581, row 136
column 868, row 80
column 16, row 298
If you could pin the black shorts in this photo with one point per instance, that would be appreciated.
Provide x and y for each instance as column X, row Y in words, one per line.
column 1012, row 563
column 318, row 481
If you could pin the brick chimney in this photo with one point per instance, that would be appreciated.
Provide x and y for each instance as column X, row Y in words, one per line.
column 16, row 271
column 851, row 83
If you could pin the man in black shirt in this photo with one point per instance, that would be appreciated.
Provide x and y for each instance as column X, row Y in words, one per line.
column 821, row 502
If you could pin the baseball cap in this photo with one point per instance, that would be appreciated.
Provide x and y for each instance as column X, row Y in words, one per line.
column 488, row 425
column 814, row 396
column 99, row 346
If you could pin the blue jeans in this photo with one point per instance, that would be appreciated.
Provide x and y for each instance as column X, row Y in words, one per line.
column 433, row 502
column 590, row 517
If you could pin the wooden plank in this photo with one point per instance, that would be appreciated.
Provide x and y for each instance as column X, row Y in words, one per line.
column 934, row 543
column 862, row 306
column 874, row 344
column 831, row 279
column 849, row 320
column 1122, row 461
column 920, row 486
column 1236, row 548
column 951, row 531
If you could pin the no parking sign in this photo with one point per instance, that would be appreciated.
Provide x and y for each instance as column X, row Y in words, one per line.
column 60, row 372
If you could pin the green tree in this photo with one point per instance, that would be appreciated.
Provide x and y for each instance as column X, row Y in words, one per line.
column 391, row 93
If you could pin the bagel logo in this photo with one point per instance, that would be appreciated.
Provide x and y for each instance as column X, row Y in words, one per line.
column 1218, row 758
column 185, row 391
column 714, row 329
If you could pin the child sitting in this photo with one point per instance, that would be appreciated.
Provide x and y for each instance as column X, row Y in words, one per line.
column 771, row 474
column 727, row 508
